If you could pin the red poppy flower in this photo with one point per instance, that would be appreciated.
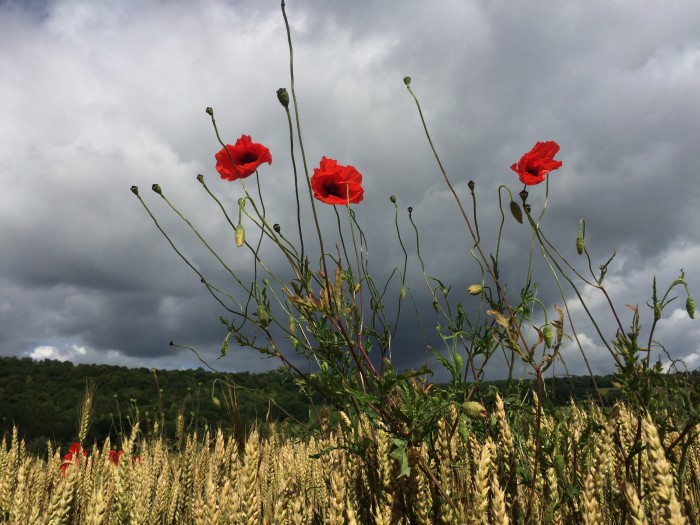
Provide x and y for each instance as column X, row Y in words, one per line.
column 69, row 457
column 336, row 184
column 246, row 155
column 114, row 456
column 536, row 163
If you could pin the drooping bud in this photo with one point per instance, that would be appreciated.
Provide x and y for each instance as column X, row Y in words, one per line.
column 277, row 228
column 283, row 97
column 156, row 188
column 475, row 289
column 580, row 238
column 690, row 307
column 240, row 235
column 407, row 81
column 548, row 335
column 216, row 401
column 210, row 111
column 135, row 190
column 471, row 185
column 392, row 198
column 516, row 212
column 474, row 409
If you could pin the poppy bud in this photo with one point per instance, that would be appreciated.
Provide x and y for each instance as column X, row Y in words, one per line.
column 580, row 245
column 407, row 80
column 277, row 228
column 690, row 307
column 216, row 401
column 471, row 185
column 523, row 195
column 156, row 188
column 548, row 335
column 392, row 198
column 283, row 97
column 475, row 289
column 516, row 212
column 210, row 111
column 200, row 177
column 474, row 409
column 135, row 190
column 240, row 235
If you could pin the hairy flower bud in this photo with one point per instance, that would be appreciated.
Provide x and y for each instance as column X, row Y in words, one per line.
column 516, row 212
column 283, row 97
column 690, row 307
column 240, row 235
column 216, row 401
column 474, row 409
column 407, row 80
column 475, row 289
column 548, row 335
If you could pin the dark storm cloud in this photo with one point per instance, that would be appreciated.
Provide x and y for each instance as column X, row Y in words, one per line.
column 97, row 98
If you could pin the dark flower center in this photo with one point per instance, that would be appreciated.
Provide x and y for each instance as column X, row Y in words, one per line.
column 247, row 158
column 335, row 189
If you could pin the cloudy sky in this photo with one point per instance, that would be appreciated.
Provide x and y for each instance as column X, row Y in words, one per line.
column 98, row 96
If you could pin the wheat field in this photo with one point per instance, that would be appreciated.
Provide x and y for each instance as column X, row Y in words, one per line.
column 591, row 469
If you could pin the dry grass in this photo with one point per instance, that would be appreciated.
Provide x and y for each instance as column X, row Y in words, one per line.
column 484, row 475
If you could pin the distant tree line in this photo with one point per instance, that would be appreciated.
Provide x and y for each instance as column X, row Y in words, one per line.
column 42, row 398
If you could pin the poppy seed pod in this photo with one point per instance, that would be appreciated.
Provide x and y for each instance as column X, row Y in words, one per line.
column 471, row 185
column 407, row 80
column 156, row 188
column 210, row 111
column 277, row 228
column 392, row 198
column 283, row 97
column 135, row 190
